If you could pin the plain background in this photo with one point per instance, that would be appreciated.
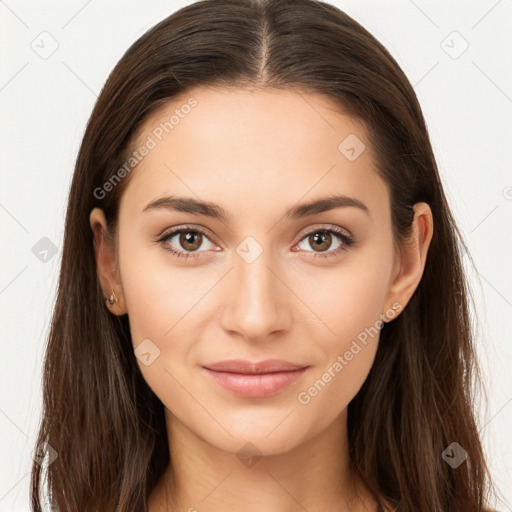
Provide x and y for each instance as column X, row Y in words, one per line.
column 455, row 54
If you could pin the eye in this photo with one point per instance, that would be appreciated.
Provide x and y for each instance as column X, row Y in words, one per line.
column 190, row 239
column 322, row 239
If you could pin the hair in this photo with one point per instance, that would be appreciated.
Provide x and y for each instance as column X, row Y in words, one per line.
column 100, row 416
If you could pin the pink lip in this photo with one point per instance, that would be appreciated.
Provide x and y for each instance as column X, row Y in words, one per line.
column 254, row 380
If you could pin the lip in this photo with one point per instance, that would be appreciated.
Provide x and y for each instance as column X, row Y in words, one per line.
column 255, row 380
column 247, row 367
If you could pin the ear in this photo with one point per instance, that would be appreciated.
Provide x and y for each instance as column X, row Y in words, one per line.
column 107, row 269
column 410, row 263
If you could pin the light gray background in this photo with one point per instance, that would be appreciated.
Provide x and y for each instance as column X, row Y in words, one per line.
column 45, row 103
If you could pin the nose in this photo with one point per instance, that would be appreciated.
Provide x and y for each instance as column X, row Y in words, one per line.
column 257, row 302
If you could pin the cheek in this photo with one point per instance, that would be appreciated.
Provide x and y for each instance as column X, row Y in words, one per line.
column 158, row 296
column 158, row 299
column 349, row 300
column 165, row 305
column 347, row 352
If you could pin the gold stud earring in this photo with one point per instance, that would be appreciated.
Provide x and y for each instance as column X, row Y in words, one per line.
column 112, row 299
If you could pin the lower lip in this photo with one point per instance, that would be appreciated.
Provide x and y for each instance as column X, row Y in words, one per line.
column 255, row 386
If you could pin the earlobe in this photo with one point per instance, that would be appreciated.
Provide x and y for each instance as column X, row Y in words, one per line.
column 107, row 270
column 413, row 257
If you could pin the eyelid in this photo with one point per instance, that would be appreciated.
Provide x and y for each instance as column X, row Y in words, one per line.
column 325, row 227
column 177, row 229
column 306, row 231
column 170, row 233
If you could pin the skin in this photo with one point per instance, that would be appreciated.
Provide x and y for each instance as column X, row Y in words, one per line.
column 257, row 153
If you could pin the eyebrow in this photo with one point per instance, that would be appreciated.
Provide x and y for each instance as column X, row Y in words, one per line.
column 209, row 209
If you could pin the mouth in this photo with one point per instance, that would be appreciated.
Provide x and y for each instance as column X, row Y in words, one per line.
column 254, row 380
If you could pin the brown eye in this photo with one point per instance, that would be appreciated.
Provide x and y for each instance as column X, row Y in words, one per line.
column 321, row 240
column 191, row 240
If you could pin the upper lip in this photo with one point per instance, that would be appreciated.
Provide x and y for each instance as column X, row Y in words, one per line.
column 248, row 367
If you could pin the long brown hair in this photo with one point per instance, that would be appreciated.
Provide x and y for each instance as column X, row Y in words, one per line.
column 99, row 415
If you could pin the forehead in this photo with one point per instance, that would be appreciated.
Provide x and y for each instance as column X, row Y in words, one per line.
column 253, row 149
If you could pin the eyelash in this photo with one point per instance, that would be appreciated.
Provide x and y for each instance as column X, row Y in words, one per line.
column 348, row 241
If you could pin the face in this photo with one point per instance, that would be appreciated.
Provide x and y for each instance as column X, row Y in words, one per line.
column 269, row 279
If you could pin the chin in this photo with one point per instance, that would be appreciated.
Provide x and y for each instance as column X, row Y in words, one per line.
column 262, row 436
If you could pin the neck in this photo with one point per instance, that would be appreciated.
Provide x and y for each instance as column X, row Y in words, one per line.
column 313, row 476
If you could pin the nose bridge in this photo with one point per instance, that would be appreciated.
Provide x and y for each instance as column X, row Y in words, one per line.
column 253, row 295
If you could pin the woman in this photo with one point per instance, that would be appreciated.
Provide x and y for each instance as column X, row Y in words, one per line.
column 261, row 303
